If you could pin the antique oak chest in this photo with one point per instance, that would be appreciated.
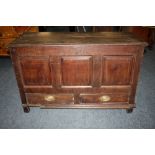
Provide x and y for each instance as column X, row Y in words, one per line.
column 77, row 70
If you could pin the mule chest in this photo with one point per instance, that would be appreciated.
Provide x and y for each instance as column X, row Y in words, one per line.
column 77, row 70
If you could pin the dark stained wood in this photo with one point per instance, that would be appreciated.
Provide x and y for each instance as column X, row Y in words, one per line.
column 35, row 98
column 76, row 98
column 16, row 65
column 78, row 89
column 77, row 70
column 139, row 31
column 130, row 110
column 26, row 109
column 55, row 63
column 35, row 71
column 95, row 98
column 138, row 61
column 97, row 71
column 90, row 105
column 66, row 38
column 117, row 70
column 78, row 50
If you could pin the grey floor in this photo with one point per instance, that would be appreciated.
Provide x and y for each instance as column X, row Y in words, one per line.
column 12, row 115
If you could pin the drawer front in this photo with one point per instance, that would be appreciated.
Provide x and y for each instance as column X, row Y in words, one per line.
column 41, row 99
column 103, row 98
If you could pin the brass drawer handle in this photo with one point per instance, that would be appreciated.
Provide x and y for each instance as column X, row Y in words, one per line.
column 104, row 98
column 49, row 98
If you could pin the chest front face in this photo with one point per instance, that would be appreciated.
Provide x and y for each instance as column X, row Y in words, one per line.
column 90, row 70
column 75, row 69
column 78, row 76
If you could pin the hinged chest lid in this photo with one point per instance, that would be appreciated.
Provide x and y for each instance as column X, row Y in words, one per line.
column 71, row 38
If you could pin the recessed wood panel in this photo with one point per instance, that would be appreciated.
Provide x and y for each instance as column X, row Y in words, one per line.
column 35, row 71
column 117, row 70
column 76, row 70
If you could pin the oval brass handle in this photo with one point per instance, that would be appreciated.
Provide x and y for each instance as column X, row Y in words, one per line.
column 49, row 98
column 104, row 98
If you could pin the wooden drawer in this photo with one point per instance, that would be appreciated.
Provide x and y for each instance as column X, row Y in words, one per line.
column 103, row 98
column 43, row 99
